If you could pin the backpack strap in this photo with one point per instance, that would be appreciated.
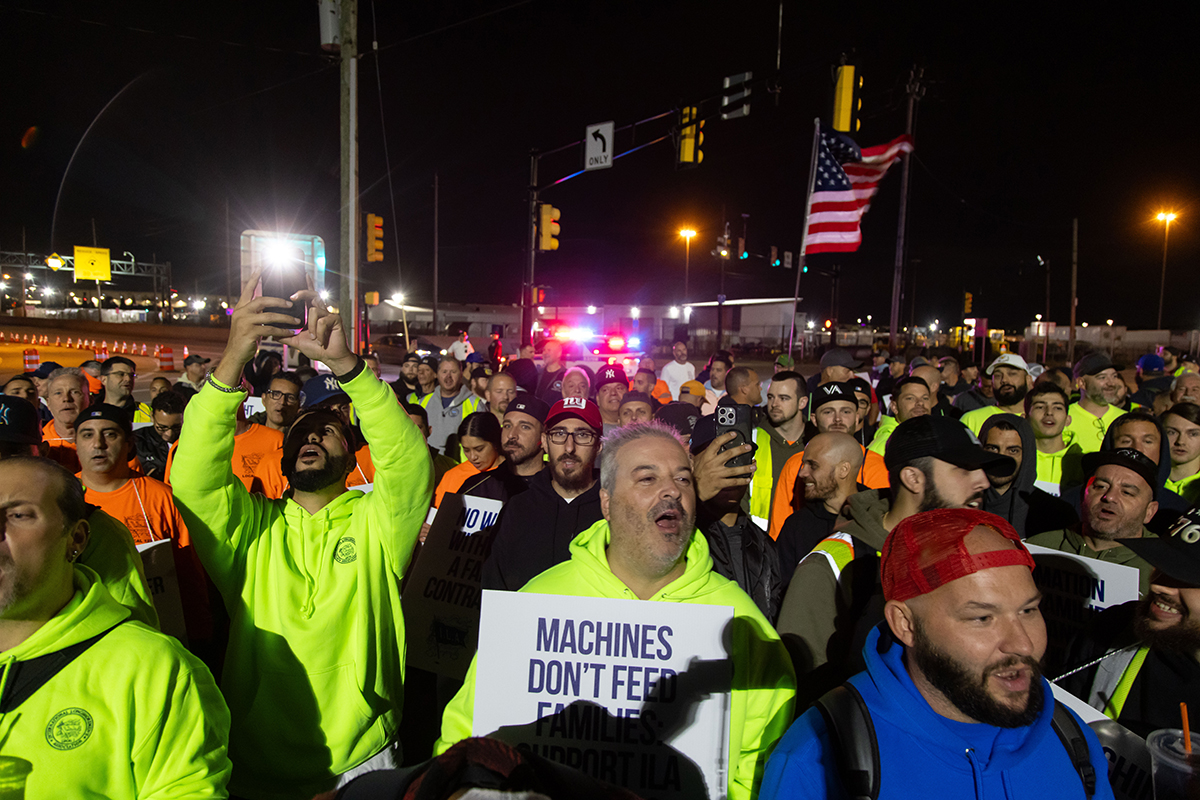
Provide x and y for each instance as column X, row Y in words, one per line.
column 26, row 677
column 852, row 736
column 1071, row 735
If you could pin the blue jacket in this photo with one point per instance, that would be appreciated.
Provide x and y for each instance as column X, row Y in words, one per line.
column 923, row 755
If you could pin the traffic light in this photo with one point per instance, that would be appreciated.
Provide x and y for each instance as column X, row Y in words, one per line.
column 968, row 300
column 374, row 237
column 847, row 99
column 548, row 227
column 774, row 256
column 371, row 298
column 722, row 250
column 538, row 295
column 691, row 137
column 742, row 248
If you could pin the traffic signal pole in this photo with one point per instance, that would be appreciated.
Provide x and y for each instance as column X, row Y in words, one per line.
column 914, row 91
column 532, row 223
column 349, row 300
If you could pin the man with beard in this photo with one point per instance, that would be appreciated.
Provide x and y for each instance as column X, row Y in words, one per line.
column 1010, row 384
column 1119, row 498
column 833, row 599
column 1143, row 657
column 312, row 581
column 549, row 386
column 835, row 410
column 448, row 406
column 939, row 404
column 778, row 437
column 535, row 529
column 828, row 472
column 1097, row 381
column 407, row 383
column 952, row 688
column 714, row 388
column 521, row 441
column 647, row 548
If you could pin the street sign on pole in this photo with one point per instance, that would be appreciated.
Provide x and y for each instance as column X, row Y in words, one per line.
column 92, row 263
column 598, row 146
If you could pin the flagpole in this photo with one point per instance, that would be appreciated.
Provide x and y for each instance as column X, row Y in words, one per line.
column 812, row 179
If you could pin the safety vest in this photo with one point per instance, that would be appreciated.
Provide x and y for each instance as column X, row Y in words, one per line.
column 762, row 483
column 837, row 549
column 1114, row 679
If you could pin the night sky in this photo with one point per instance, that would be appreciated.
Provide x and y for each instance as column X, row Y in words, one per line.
column 1032, row 116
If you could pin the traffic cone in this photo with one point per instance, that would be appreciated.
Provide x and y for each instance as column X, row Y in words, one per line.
column 143, row 348
column 58, row 341
column 185, row 352
column 25, row 339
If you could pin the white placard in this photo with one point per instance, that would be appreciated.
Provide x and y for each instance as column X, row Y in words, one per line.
column 158, row 562
column 632, row 692
column 1074, row 589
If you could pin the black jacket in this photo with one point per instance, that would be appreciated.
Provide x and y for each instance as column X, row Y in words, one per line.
column 500, row 484
column 744, row 554
column 534, row 532
column 1029, row 509
column 152, row 451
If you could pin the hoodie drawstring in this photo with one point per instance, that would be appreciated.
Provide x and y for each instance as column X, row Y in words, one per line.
column 975, row 773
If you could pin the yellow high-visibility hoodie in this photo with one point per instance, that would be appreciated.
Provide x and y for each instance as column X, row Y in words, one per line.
column 764, row 685
column 314, row 672
column 135, row 715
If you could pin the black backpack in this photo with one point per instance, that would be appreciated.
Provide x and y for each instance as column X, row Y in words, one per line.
column 856, row 749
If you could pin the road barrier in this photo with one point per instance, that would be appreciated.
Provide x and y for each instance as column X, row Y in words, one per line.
column 31, row 360
column 166, row 360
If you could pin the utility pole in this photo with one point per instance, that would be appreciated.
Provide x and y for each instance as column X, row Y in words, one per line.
column 915, row 91
column 436, row 330
column 1046, row 332
column 1074, row 288
column 348, row 257
column 527, row 286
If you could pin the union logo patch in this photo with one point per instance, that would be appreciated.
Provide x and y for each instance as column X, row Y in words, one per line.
column 69, row 728
column 345, row 551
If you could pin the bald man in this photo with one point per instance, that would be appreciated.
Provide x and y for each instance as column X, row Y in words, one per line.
column 827, row 478
column 940, row 405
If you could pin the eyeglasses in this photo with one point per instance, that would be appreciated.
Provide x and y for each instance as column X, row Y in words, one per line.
column 287, row 398
column 168, row 428
column 583, row 438
column 120, row 374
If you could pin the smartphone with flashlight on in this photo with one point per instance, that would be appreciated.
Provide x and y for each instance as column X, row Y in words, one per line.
column 282, row 277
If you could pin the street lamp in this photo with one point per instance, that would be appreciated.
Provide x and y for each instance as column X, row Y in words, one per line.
column 1165, row 217
column 687, row 234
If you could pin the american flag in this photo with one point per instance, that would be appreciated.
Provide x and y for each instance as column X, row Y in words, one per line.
column 846, row 180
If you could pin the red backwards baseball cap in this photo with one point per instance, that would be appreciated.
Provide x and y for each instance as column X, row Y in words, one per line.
column 926, row 551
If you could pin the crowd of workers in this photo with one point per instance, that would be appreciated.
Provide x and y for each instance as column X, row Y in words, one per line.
column 866, row 525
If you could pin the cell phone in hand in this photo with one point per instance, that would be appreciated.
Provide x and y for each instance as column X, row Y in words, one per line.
column 282, row 277
column 739, row 419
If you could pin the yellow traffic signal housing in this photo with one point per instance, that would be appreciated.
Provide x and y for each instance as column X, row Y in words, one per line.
column 548, row 227
column 374, row 237
column 847, row 100
column 691, row 137
column 371, row 298
column 968, row 302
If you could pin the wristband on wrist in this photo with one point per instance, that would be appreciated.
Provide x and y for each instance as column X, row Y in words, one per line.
column 211, row 381
column 358, row 367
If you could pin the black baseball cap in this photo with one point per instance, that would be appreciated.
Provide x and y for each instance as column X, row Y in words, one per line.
column 109, row 412
column 194, row 359
column 19, row 421
column 639, row 397
column 946, row 440
column 1177, row 553
column 433, row 362
column 412, row 357
column 834, row 390
column 1092, row 364
column 839, row 357
column 610, row 374
column 680, row 416
column 528, row 404
column 1123, row 457
column 45, row 369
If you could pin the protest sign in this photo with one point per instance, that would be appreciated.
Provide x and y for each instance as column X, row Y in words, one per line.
column 1074, row 589
column 441, row 593
column 632, row 692
column 158, row 562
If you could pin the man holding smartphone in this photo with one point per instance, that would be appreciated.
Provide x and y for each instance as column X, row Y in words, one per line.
column 314, row 672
